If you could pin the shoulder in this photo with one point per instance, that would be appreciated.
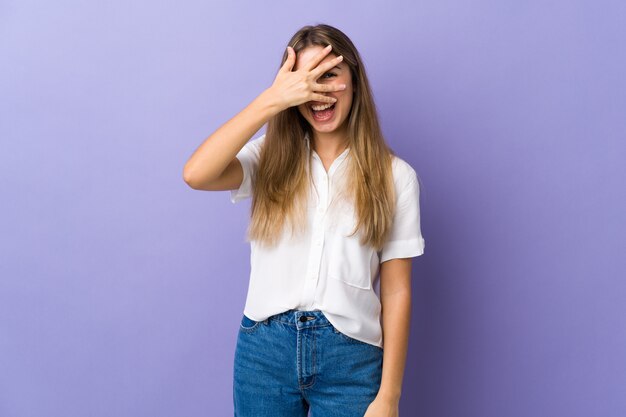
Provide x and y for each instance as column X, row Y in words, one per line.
column 403, row 173
column 252, row 149
column 257, row 142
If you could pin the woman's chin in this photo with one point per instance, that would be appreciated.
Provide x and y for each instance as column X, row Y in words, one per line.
column 325, row 127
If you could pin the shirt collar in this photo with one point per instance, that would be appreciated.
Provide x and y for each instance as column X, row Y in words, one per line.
column 339, row 158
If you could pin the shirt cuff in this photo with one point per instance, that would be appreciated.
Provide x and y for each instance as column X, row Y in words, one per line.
column 403, row 249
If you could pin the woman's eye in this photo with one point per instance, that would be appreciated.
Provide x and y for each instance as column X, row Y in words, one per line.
column 328, row 73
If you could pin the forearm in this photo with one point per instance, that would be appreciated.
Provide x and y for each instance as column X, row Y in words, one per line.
column 396, row 316
column 219, row 149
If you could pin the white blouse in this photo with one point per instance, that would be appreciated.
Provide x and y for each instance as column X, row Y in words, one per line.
column 327, row 270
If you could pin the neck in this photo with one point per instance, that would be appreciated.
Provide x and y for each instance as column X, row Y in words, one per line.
column 332, row 143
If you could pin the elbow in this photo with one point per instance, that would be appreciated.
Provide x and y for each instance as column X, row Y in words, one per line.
column 188, row 177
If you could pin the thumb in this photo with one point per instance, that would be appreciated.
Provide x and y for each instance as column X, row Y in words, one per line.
column 291, row 55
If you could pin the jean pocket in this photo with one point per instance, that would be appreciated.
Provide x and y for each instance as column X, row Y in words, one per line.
column 353, row 340
column 247, row 324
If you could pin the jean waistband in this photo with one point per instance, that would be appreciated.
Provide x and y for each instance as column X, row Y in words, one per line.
column 301, row 318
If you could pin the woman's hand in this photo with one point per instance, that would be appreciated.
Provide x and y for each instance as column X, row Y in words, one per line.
column 291, row 88
column 382, row 408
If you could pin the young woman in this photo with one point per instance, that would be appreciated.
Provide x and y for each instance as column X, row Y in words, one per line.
column 333, row 209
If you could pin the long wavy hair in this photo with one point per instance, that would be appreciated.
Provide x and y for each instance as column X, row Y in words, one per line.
column 282, row 182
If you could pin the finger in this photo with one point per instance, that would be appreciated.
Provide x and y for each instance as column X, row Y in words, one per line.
column 328, row 87
column 317, row 58
column 323, row 98
column 288, row 65
column 321, row 69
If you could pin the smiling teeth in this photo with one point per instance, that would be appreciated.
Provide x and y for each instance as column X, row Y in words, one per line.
column 322, row 107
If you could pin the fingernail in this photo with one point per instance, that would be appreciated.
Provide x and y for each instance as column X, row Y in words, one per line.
column 342, row 86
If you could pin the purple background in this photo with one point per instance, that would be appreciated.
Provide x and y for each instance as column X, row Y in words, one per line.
column 122, row 288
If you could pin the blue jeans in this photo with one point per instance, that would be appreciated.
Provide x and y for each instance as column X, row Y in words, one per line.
column 295, row 361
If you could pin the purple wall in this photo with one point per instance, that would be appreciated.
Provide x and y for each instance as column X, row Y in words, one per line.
column 121, row 289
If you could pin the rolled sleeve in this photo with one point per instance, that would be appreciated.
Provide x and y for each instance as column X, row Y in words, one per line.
column 405, row 239
column 248, row 156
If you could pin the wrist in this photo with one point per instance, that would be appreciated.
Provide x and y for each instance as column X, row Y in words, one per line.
column 270, row 102
column 389, row 396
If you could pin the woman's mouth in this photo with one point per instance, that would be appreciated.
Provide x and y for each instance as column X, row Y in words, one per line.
column 322, row 112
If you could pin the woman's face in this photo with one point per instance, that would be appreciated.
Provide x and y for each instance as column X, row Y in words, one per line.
column 335, row 118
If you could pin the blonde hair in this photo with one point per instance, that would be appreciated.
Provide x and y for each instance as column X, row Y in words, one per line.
column 282, row 183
